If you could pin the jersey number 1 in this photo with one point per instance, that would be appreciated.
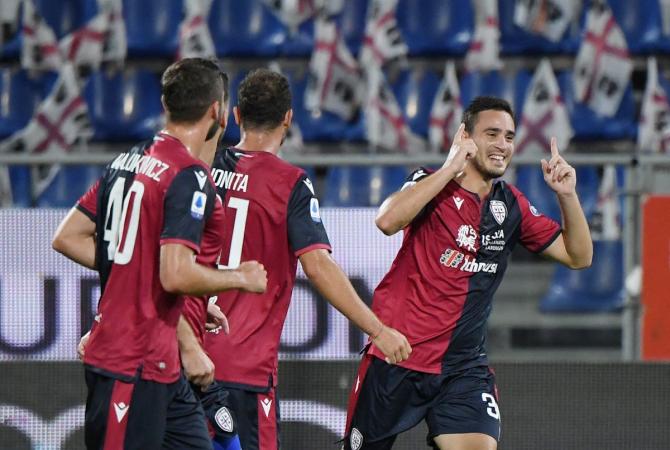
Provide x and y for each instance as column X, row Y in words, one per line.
column 120, row 230
column 241, row 206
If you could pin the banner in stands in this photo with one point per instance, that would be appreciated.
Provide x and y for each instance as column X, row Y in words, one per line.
column 47, row 302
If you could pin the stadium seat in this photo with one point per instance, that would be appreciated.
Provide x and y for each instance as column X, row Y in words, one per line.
column 642, row 24
column 124, row 105
column 64, row 16
column 362, row 186
column 245, row 28
column 20, row 179
column 589, row 125
column 70, row 183
column 435, row 27
column 474, row 84
column 232, row 134
column 152, row 26
column 415, row 91
column 20, row 94
column 515, row 40
column 324, row 126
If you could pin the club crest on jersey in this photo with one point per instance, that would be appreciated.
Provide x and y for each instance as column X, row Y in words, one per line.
column 356, row 439
column 198, row 205
column 224, row 419
column 499, row 210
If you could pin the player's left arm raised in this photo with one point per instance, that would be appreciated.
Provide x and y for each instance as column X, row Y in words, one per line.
column 573, row 247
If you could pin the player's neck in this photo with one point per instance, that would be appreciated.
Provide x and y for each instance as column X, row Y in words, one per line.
column 261, row 141
column 192, row 137
column 472, row 181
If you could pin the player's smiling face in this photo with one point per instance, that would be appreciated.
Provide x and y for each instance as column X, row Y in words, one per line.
column 494, row 136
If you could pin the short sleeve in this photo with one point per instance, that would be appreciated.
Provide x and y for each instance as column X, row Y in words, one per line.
column 189, row 201
column 88, row 203
column 305, row 228
column 415, row 177
column 537, row 230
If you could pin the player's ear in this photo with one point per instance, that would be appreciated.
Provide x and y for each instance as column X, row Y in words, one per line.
column 288, row 118
column 236, row 115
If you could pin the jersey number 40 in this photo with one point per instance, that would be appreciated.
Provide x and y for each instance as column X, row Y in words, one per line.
column 120, row 230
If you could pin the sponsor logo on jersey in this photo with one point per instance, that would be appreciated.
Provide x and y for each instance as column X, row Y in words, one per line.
column 224, row 419
column 355, row 439
column 467, row 238
column 494, row 242
column 499, row 210
column 198, row 205
column 457, row 260
column 314, row 210
column 230, row 180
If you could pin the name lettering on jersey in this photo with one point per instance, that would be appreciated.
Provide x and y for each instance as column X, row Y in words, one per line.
column 467, row 238
column 457, row 260
column 494, row 242
column 140, row 164
column 230, row 180
column 499, row 210
column 458, row 202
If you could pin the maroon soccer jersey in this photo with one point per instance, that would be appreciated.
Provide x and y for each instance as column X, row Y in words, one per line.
column 439, row 289
column 272, row 216
column 150, row 196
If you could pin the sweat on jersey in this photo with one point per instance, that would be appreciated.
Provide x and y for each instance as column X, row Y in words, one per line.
column 454, row 254
column 153, row 195
column 271, row 216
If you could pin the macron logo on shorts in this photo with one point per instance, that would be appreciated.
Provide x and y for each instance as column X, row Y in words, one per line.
column 120, row 409
column 266, row 403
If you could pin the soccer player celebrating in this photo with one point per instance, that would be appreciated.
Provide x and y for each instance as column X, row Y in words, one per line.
column 272, row 215
column 141, row 226
column 460, row 225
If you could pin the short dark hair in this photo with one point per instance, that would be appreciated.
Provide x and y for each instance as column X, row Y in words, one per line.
column 484, row 103
column 263, row 99
column 190, row 86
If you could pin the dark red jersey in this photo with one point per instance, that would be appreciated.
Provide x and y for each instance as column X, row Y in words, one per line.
column 272, row 216
column 153, row 195
column 439, row 289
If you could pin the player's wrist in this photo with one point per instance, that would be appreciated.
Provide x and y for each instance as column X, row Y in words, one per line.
column 378, row 332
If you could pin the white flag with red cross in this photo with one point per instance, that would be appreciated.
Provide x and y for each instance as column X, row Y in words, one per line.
column 603, row 65
column 484, row 51
column 544, row 115
column 39, row 50
column 335, row 81
column 115, row 47
column 548, row 18
column 654, row 129
column 446, row 112
column 60, row 121
column 606, row 221
column 385, row 124
column 383, row 41
column 84, row 46
column 195, row 39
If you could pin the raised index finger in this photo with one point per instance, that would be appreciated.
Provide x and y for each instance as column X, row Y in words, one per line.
column 554, row 147
column 459, row 134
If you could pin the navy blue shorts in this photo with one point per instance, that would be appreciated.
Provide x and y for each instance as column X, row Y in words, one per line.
column 251, row 415
column 387, row 400
column 143, row 415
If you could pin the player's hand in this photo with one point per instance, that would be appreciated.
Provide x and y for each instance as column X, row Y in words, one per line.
column 216, row 318
column 393, row 345
column 254, row 276
column 198, row 368
column 462, row 149
column 82, row 345
column 558, row 174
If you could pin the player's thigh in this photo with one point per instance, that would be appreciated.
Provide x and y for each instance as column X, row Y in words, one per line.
column 385, row 401
column 465, row 441
column 186, row 425
column 467, row 405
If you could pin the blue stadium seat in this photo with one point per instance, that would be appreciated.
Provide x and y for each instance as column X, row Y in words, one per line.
column 20, row 179
column 598, row 288
column 152, row 26
column 324, row 126
column 415, row 91
column 245, row 28
column 515, row 40
column 64, row 16
column 362, row 186
column 435, row 27
column 20, row 94
column 474, row 84
column 124, row 105
column 68, row 185
column 589, row 125
column 642, row 24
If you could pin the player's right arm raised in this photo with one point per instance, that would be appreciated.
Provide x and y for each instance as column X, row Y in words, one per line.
column 402, row 207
